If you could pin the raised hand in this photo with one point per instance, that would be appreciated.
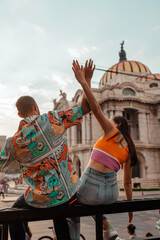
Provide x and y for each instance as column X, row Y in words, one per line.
column 89, row 69
column 79, row 71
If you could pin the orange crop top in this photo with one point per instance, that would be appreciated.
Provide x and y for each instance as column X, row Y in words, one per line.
column 107, row 152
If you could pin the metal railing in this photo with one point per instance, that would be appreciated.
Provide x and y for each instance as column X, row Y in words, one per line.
column 13, row 215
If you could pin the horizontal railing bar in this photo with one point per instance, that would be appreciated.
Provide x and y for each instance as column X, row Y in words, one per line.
column 18, row 215
column 149, row 238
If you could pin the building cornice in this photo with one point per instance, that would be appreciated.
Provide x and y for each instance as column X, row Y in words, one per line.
column 139, row 146
column 129, row 99
column 80, row 147
column 120, row 86
column 146, row 146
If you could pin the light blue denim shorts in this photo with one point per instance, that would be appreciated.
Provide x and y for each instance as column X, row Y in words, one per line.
column 97, row 187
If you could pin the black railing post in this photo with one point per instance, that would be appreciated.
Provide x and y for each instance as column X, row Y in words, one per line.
column 5, row 231
column 1, row 231
column 99, row 227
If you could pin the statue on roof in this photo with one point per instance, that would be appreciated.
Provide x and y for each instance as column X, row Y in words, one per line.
column 122, row 43
column 54, row 102
column 62, row 104
column 122, row 53
column 63, row 94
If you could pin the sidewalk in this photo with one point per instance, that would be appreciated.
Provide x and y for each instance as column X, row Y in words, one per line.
column 9, row 199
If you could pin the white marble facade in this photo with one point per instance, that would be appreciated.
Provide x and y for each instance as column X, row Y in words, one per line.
column 131, row 90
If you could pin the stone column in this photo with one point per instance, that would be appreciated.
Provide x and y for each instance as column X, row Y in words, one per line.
column 90, row 129
column 111, row 113
column 143, row 129
column 87, row 127
column 106, row 113
column 158, row 114
column 69, row 137
column 84, row 130
column 148, row 130
column 74, row 135
column 118, row 113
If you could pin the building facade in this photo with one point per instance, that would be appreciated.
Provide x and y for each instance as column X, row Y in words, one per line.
column 127, row 89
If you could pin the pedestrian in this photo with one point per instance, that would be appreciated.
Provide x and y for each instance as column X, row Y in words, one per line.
column 40, row 146
column 2, row 190
column 6, row 185
column 131, row 231
column 113, row 149
column 148, row 234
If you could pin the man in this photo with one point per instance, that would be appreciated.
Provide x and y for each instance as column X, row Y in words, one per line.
column 40, row 146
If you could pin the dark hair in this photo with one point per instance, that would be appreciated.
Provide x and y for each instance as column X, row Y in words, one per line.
column 25, row 105
column 148, row 234
column 124, row 130
column 131, row 228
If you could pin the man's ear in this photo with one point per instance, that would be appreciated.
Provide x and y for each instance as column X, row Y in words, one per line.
column 20, row 115
column 36, row 109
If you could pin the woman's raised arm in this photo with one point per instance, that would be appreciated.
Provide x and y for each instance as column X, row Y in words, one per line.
column 106, row 125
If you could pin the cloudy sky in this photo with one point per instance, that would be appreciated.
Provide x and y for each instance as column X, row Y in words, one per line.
column 40, row 38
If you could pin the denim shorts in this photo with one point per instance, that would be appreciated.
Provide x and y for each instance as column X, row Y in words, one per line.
column 97, row 188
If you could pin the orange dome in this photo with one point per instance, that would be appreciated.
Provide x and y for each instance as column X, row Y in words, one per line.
column 125, row 66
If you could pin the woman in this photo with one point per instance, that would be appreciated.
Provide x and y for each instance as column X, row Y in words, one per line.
column 114, row 148
column 131, row 231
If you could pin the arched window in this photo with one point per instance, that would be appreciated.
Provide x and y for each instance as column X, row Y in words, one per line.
column 136, row 171
column 132, row 118
column 77, row 165
column 153, row 85
column 128, row 91
column 78, row 98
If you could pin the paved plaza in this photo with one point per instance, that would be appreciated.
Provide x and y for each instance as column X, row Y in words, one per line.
column 145, row 221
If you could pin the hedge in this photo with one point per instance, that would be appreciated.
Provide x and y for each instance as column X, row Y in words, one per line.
column 142, row 189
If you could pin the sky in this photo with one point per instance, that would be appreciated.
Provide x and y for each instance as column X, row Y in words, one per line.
column 40, row 38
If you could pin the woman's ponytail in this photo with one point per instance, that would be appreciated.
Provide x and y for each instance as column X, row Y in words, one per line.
column 124, row 130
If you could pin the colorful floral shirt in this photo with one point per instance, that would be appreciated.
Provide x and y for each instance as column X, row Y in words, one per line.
column 40, row 146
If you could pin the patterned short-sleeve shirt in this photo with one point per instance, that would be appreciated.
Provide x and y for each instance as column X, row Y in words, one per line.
column 41, row 148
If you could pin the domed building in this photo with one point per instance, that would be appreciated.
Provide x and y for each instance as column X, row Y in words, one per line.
column 128, row 89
